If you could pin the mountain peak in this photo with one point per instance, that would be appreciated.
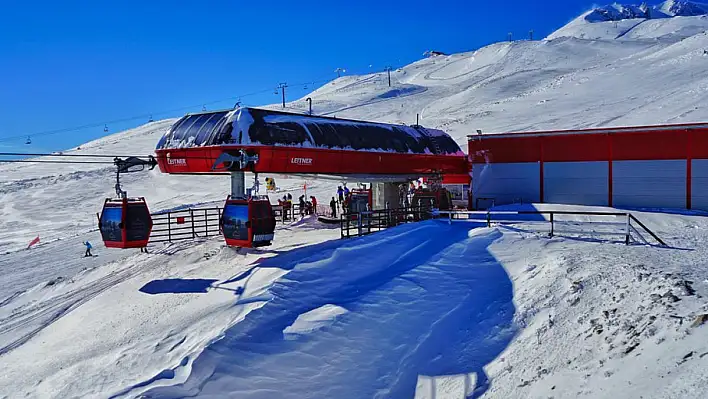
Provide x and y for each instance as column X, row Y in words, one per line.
column 667, row 9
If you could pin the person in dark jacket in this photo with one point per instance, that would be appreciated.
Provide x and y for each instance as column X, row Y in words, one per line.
column 333, row 206
column 302, row 205
column 340, row 194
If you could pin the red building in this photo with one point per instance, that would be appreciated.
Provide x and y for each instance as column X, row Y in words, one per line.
column 646, row 166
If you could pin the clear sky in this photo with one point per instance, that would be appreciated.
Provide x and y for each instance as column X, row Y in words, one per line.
column 65, row 64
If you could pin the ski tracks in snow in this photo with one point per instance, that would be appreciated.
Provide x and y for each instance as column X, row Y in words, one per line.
column 28, row 320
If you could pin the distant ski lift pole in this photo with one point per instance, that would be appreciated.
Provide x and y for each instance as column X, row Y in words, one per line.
column 105, row 128
column 388, row 70
column 151, row 120
column 282, row 87
column 29, row 140
column 309, row 100
column 340, row 71
column 204, row 108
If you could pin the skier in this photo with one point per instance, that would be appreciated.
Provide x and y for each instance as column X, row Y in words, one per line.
column 302, row 205
column 346, row 191
column 333, row 206
column 88, row 249
column 340, row 194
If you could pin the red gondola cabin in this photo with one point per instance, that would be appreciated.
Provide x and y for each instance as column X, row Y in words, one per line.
column 125, row 223
column 248, row 223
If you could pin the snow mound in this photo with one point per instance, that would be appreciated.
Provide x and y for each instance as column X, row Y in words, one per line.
column 453, row 314
column 315, row 319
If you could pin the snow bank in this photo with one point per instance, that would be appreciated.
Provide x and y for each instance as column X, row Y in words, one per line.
column 453, row 315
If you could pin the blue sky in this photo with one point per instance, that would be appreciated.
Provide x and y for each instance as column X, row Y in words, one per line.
column 65, row 64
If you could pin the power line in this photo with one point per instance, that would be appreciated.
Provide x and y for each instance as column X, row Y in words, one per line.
column 28, row 154
column 148, row 116
column 56, row 162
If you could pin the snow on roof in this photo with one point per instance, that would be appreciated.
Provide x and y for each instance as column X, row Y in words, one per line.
column 252, row 126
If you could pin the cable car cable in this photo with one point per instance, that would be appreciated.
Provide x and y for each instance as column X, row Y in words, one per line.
column 143, row 116
column 56, row 162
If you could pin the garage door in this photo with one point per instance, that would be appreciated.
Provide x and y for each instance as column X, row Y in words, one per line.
column 581, row 183
column 505, row 183
column 699, row 184
column 649, row 184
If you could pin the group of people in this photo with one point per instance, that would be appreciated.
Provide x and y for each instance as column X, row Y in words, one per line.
column 342, row 200
column 305, row 207
column 308, row 207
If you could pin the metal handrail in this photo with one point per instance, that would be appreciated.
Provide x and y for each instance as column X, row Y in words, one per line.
column 628, row 223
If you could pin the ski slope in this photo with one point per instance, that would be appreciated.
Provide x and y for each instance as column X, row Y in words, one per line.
column 424, row 310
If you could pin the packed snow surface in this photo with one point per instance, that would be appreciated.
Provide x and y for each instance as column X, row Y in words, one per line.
column 430, row 310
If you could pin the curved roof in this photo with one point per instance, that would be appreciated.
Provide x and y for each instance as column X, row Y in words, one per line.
column 252, row 126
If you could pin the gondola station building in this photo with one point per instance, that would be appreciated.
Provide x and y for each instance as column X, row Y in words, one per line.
column 635, row 167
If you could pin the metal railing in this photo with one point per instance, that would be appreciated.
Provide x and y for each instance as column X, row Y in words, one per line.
column 186, row 224
column 362, row 223
column 624, row 227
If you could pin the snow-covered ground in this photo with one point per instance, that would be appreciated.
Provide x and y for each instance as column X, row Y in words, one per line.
column 425, row 310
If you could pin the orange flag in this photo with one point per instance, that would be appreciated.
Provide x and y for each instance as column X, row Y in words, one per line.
column 35, row 241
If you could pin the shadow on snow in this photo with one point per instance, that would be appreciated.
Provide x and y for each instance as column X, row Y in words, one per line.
column 425, row 299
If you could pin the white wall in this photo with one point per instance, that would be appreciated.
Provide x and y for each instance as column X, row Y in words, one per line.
column 581, row 183
column 506, row 182
column 699, row 184
column 650, row 184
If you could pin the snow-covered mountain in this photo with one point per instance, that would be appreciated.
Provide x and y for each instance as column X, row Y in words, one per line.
column 618, row 22
column 667, row 9
column 395, row 314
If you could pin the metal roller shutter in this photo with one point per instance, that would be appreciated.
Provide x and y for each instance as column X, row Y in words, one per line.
column 699, row 184
column 649, row 184
column 582, row 183
column 506, row 183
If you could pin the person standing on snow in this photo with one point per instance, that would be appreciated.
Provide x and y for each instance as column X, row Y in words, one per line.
column 314, row 204
column 340, row 194
column 333, row 205
column 88, row 249
column 346, row 191
column 302, row 205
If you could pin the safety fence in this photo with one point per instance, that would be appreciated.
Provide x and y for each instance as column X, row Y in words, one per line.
column 363, row 223
column 186, row 224
column 566, row 223
column 622, row 225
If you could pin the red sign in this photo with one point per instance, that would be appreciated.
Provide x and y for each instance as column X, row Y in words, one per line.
column 180, row 220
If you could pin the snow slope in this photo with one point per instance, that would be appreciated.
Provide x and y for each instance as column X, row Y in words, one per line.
column 190, row 317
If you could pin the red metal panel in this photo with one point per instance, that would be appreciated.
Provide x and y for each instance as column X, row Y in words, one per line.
column 608, row 143
column 649, row 145
column 575, row 148
column 506, row 150
column 699, row 143
column 689, row 155
column 308, row 160
column 456, row 179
